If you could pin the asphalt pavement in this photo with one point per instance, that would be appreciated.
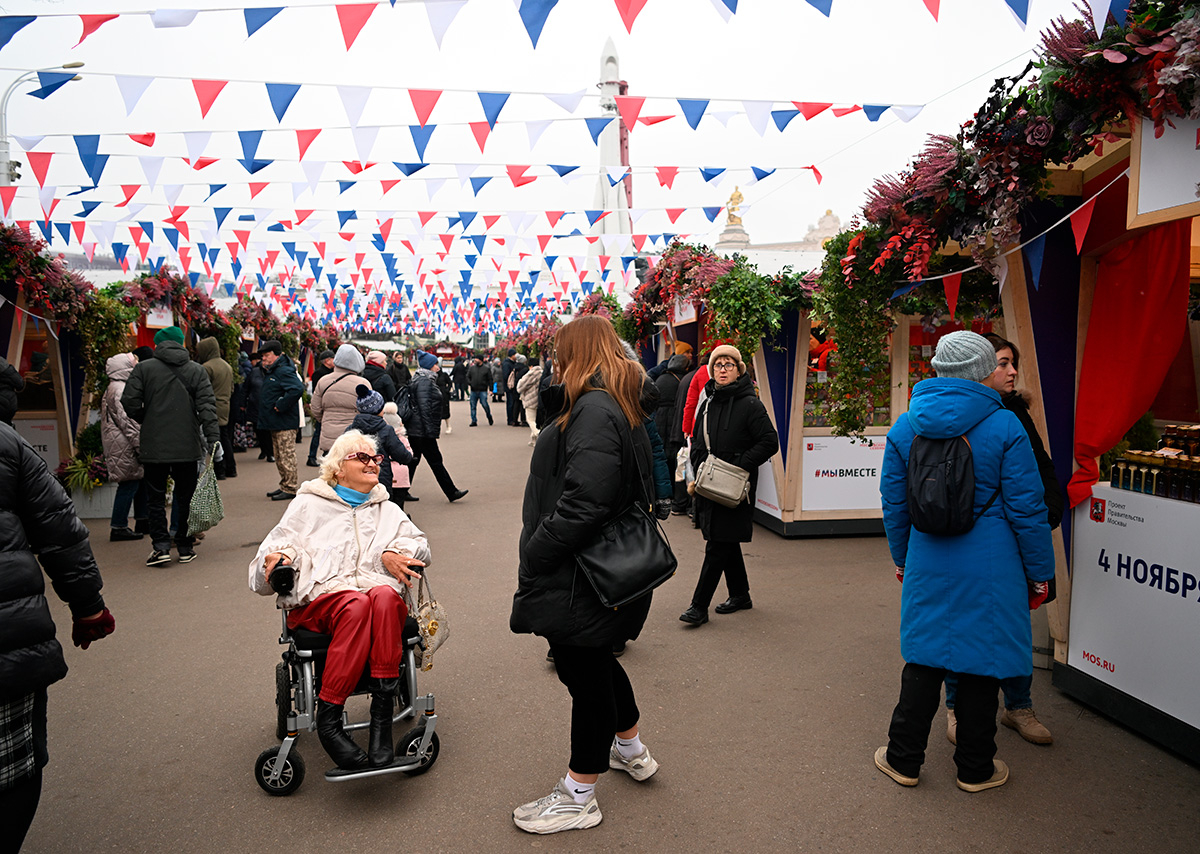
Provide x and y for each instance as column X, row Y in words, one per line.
column 764, row 722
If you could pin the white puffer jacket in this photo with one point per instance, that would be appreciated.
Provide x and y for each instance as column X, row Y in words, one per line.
column 335, row 546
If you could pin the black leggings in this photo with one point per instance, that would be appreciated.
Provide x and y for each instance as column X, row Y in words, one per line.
column 602, row 703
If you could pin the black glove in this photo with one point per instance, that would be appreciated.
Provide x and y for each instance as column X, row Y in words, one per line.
column 662, row 508
column 282, row 578
column 86, row 630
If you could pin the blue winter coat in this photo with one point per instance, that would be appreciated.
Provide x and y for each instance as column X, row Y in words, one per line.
column 965, row 603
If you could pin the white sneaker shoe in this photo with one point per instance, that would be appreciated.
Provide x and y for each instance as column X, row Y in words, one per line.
column 640, row 767
column 557, row 811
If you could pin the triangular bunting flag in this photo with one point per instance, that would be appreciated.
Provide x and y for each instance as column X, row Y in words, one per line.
column 629, row 108
column 533, row 15
column 91, row 23
column 1035, row 253
column 353, row 17
column 207, row 92
column 951, row 284
column 1080, row 220
column 423, row 101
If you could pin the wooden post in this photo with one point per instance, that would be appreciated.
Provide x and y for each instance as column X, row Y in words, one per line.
column 901, row 342
column 1018, row 326
column 789, row 499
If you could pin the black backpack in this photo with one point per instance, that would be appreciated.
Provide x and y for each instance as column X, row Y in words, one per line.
column 404, row 406
column 941, row 486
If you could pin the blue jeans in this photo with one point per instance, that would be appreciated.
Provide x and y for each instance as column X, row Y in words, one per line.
column 482, row 397
column 1016, row 691
column 128, row 492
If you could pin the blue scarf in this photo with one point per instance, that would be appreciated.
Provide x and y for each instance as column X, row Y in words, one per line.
column 351, row 496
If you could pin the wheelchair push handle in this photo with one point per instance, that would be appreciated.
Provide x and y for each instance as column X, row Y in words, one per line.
column 283, row 577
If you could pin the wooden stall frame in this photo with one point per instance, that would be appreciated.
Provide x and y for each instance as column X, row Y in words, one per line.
column 61, row 413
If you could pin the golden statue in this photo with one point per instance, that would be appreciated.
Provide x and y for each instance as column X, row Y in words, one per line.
column 732, row 207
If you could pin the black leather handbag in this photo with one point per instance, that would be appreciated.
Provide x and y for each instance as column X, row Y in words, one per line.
column 629, row 557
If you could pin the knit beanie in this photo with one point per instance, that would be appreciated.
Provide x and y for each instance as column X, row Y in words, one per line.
column 171, row 333
column 370, row 402
column 428, row 360
column 964, row 355
column 376, row 357
column 348, row 357
column 730, row 351
column 682, row 347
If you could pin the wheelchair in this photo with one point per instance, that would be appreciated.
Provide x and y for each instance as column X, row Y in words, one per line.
column 280, row 770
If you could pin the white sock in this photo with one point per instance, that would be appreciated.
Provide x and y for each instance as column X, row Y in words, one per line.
column 580, row 791
column 630, row 747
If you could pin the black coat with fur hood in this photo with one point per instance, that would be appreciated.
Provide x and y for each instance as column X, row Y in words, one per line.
column 579, row 479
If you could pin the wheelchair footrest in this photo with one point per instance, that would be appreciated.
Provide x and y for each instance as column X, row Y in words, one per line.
column 402, row 763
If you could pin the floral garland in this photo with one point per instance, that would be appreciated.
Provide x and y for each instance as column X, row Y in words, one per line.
column 972, row 187
column 49, row 288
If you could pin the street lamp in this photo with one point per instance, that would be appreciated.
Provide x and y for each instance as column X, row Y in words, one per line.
column 5, row 164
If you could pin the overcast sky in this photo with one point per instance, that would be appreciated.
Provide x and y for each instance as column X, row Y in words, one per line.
column 867, row 51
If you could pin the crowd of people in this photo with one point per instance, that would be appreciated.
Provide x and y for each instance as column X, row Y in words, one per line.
column 608, row 435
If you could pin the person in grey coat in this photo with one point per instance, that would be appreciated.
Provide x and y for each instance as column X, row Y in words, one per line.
column 172, row 398
column 220, row 374
column 11, row 382
column 121, row 436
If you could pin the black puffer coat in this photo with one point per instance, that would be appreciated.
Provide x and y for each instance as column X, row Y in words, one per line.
column 668, row 385
column 741, row 433
column 578, row 481
column 279, row 397
column 37, row 518
column 443, row 383
column 386, row 443
column 380, row 380
column 426, row 420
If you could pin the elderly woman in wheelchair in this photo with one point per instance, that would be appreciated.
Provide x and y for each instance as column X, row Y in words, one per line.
column 339, row 561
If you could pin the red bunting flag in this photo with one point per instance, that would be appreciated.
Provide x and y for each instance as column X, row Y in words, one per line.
column 130, row 190
column 630, row 108
column 39, row 162
column 481, row 131
column 810, row 110
column 423, row 101
column 952, row 284
column 353, row 17
column 6, row 196
column 816, row 172
column 653, row 120
column 845, row 111
column 543, row 240
column 932, row 6
column 200, row 163
column 447, row 240
column 674, row 214
column 320, row 247
column 302, row 215
column 425, row 217
column 207, row 92
column 553, row 217
column 629, row 10
column 257, row 187
column 242, row 236
column 517, row 175
column 91, row 23
column 489, row 220
column 233, row 250
column 385, row 229
column 1080, row 220
column 666, row 175
column 387, row 186
column 304, row 138
column 146, row 139
column 639, row 240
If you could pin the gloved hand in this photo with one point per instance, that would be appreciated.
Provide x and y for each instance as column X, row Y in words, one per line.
column 282, row 578
column 662, row 508
column 87, row 629
column 900, row 574
column 1038, row 591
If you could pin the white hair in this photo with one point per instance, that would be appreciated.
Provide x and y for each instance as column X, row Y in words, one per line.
column 344, row 445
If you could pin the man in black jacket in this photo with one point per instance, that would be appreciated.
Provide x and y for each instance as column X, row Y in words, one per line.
column 37, row 523
column 425, row 425
column 279, row 412
column 11, row 382
column 511, row 398
column 172, row 398
column 479, row 378
column 664, row 419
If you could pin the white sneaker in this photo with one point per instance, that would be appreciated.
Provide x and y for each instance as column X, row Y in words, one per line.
column 640, row 767
column 557, row 811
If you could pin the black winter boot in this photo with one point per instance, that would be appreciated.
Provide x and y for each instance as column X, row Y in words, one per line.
column 341, row 748
column 380, row 749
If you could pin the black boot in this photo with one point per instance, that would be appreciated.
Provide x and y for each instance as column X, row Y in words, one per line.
column 341, row 748
column 380, row 750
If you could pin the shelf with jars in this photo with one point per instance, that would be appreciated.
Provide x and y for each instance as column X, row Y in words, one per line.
column 1172, row 471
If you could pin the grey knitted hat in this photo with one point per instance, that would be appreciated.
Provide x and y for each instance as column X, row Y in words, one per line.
column 964, row 355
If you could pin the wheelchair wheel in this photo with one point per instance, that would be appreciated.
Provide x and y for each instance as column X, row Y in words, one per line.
column 289, row 780
column 408, row 744
column 283, row 699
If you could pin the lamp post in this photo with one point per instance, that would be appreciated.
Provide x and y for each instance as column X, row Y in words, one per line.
column 8, row 93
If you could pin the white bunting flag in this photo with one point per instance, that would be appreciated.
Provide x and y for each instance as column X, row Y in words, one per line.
column 151, row 166
column 132, row 89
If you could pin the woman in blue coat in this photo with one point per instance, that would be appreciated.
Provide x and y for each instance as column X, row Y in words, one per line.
column 965, row 601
